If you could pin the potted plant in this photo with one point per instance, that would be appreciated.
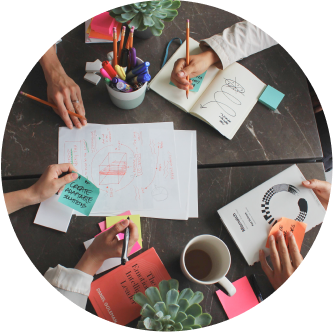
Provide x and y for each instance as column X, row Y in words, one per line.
column 165, row 309
column 147, row 16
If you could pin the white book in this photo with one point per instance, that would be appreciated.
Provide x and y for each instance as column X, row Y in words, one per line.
column 225, row 98
column 250, row 217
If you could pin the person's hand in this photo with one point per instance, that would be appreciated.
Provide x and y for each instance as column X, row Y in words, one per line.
column 321, row 188
column 198, row 65
column 50, row 182
column 66, row 95
column 106, row 245
column 283, row 264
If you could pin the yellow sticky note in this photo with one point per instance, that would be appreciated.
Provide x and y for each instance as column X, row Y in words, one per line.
column 110, row 221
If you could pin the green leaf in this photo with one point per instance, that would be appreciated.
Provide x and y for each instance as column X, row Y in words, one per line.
column 183, row 305
column 112, row 14
column 148, row 21
column 160, row 306
column 171, row 297
column 166, row 4
column 136, row 5
column 136, row 21
column 142, row 27
column 117, row 11
column 159, row 315
column 171, row 13
column 175, row 5
column 164, row 287
column 174, row 284
column 120, row 19
column 153, row 295
column 140, row 325
column 186, row 293
column 141, row 299
column 195, row 310
column 187, row 328
column 196, row 298
column 196, row 327
column 178, row 326
column 147, row 311
column 180, row 316
column 173, row 310
column 168, row 19
column 128, row 15
column 189, row 321
column 159, row 14
column 157, row 325
column 126, row 8
column 158, row 25
column 204, row 319
column 169, row 327
column 148, row 323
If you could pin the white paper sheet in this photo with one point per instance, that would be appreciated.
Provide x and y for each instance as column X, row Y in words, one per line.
column 134, row 165
column 53, row 214
column 193, row 189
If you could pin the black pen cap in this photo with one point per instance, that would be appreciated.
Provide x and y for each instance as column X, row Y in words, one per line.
column 124, row 57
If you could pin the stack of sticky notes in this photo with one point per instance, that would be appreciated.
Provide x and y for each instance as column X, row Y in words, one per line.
column 110, row 222
column 99, row 29
column 271, row 97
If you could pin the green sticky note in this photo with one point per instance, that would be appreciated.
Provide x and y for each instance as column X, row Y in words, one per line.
column 271, row 98
column 196, row 82
column 80, row 195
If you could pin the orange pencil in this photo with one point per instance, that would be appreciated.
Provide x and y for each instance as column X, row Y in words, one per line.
column 115, row 55
column 187, row 53
column 52, row 105
column 121, row 41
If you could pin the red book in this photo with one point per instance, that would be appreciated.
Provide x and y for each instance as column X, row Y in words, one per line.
column 112, row 295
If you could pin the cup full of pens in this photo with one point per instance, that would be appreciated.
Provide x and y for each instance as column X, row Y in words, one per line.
column 127, row 77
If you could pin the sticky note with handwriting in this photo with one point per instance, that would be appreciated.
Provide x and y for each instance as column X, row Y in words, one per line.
column 80, row 195
column 196, row 82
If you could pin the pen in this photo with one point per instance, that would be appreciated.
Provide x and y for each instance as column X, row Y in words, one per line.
column 109, row 69
column 187, row 53
column 132, row 57
column 115, row 55
column 105, row 74
column 52, row 105
column 124, row 58
column 140, row 69
column 141, row 78
column 115, row 80
column 124, row 257
column 253, row 281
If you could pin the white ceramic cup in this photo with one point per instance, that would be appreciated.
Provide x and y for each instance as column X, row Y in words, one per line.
column 221, row 260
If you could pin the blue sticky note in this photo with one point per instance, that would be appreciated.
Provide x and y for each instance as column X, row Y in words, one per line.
column 196, row 82
column 271, row 97
column 80, row 195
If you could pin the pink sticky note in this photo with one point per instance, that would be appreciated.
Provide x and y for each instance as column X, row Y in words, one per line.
column 103, row 23
column 102, row 225
column 136, row 246
column 243, row 300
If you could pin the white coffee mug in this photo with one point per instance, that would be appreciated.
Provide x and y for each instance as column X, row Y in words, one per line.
column 221, row 260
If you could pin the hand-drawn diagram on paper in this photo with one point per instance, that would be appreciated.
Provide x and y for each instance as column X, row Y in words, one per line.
column 133, row 165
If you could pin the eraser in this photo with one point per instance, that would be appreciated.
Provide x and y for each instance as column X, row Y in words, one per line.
column 93, row 67
column 271, row 98
column 92, row 78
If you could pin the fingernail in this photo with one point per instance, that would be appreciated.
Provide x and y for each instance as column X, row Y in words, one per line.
column 124, row 222
column 181, row 74
column 290, row 234
column 74, row 176
column 271, row 238
column 260, row 252
column 306, row 182
column 279, row 234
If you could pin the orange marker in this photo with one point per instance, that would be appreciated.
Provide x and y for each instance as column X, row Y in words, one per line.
column 115, row 55
column 187, row 53
column 121, row 41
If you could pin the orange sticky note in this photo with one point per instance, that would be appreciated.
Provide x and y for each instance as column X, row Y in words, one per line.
column 286, row 225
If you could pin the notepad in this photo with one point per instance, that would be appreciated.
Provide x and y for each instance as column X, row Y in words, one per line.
column 243, row 300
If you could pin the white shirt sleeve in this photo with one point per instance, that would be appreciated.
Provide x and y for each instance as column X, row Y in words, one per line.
column 72, row 283
column 237, row 42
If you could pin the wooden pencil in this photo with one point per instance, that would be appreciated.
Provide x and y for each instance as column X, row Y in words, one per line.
column 115, row 54
column 52, row 105
column 123, row 31
column 187, row 53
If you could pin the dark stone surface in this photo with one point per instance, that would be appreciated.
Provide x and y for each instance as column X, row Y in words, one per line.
column 217, row 187
column 31, row 137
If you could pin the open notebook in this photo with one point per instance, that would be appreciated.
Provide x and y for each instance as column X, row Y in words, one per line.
column 224, row 99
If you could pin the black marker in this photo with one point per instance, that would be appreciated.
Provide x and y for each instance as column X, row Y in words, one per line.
column 253, row 281
column 124, row 257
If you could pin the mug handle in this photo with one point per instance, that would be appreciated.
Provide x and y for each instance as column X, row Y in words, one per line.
column 228, row 286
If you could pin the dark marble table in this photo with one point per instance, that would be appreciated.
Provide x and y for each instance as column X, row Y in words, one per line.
column 31, row 137
column 217, row 187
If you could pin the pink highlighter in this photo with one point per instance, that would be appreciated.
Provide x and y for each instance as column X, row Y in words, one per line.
column 105, row 74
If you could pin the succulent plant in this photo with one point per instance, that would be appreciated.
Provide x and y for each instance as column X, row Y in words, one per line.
column 165, row 309
column 147, row 14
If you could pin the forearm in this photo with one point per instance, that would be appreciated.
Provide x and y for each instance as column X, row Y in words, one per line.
column 50, row 63
column 88, row 264
column 17, row 200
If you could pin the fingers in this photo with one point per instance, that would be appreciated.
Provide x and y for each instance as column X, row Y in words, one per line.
column 134, row 234
column 62, row 110
column 79, row 108
column 317, row 184
column 264, row 265
column 294, row 252
column 283, row 251
column 69, row 100
column 178, row 76
column 66, row 179
column 117, row 228
column 274, row 254
column 66, row 167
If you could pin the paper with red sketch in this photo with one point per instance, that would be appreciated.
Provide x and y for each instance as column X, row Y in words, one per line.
column 133, row 165
column 112, row 294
